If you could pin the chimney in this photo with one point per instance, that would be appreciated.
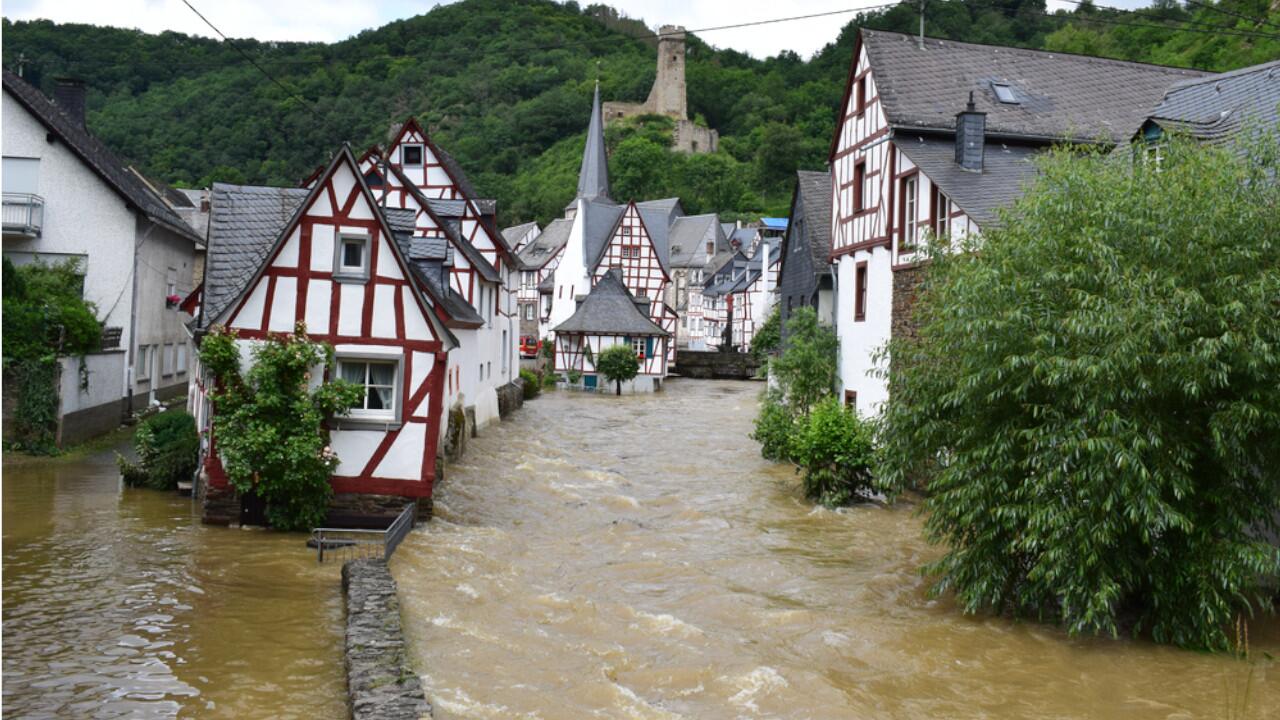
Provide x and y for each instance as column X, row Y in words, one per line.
column 971, row 130
column 68, row 94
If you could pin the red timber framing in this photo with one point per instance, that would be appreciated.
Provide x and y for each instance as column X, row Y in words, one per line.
column 631, row 248
column 382, row 316
column 861, row 150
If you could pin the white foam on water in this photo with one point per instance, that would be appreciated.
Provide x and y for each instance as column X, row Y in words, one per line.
column 763, row 679
column 469, row 591
column 667, row 624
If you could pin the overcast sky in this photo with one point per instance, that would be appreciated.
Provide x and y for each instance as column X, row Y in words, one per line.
column 331, row 20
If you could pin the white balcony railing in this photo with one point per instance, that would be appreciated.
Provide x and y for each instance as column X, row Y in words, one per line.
column 23, row 214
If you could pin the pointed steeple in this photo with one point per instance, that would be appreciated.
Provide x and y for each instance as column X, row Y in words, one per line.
column 593, row 177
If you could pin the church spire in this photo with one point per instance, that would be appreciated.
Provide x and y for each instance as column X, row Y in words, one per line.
column 593, row 177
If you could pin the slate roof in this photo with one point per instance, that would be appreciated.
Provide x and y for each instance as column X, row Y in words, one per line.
column 688, row 239
column 598, row 222
column 671, row 206
column 455, row 306
column 610, row 309
column 455, row 171
column 549, row 242
column 814, row 189
column 593, row 175
column 548, row 284
column 1007, row 170
column 244, row 223
column 401, row 220
column 513, row 234
column 94, row 153
column 1062, row 96
column 440, row 211
column 1214, row 109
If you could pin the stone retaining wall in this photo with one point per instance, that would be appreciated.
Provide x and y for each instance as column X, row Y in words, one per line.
column 380, row 683
column 707, row 364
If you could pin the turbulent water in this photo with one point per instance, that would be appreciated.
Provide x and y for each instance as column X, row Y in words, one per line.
column 635, row 558
column 118, row 603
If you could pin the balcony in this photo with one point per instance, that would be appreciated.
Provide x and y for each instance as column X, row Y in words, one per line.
column 23, row 214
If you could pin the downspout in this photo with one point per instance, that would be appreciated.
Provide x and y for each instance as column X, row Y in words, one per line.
column 133, row 321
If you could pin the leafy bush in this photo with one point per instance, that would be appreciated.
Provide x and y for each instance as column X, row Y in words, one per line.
column 618, row 363
column 549, row 379
column 833, row 449
column 775, row 428
column 269, row 424
column 168, row 448
column 806, row 369
column 531, row 383
column 1093, row 398
column 768, row 338
column 35, row 418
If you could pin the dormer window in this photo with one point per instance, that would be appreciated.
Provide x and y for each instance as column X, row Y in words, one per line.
column 411, row 155
column 1004, row 93
column 351, row 261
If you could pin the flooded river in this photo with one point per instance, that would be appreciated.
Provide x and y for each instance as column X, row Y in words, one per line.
column 119, row 603
column 635, row 558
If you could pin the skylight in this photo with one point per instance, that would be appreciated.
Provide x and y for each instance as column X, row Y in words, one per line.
column 1004, row 93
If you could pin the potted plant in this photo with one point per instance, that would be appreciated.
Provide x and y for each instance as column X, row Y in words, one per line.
column 171, row 301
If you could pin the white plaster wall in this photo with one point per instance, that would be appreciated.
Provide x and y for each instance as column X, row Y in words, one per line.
column 104, row 370
column 859, row 341
column 82, row 216
column 571, row 274
column 162, row 255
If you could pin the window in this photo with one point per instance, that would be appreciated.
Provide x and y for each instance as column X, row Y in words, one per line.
column 637, row 344
column 180, row 364
column 1005, row 94
column 711, row 247
column 862, row 94
column 909, row 213
column 941, row 213
column 411, row 155
column 506, row 352
column 21, row 175
column 481, row 372
column 166, row 361
column 859, row 189
column 527, row 279
column 528, row 311
column 851, row 399
column 142, row 369
column 642, row 293
column 860, row 292
column 171, row 282
column 351, row 261
column 379, row 379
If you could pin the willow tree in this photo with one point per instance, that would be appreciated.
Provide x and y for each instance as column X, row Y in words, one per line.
column 1093, row 398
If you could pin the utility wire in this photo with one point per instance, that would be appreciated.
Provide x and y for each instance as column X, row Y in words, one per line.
column 252, row 62
column 1232, row 13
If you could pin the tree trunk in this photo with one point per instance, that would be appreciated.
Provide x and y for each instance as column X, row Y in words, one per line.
column 619, row 382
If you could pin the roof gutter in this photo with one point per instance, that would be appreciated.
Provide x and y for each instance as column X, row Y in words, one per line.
column 895, row 129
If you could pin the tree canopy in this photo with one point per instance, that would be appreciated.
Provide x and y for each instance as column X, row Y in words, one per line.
column 1092, row 398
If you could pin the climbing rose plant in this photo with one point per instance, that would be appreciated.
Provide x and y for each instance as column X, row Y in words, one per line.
column 1093, row 399
column 268, row 423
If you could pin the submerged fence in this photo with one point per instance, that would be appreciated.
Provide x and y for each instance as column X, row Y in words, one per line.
column 343, row 544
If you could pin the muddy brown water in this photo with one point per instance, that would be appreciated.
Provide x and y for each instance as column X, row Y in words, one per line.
column 635, row 558
column 119, row 603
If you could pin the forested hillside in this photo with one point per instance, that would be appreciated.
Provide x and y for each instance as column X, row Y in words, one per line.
column 506, row 86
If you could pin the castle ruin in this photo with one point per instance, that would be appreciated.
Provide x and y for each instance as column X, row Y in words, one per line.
column 667, row 97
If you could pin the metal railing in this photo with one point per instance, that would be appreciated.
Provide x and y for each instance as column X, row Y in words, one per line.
column 343, row 544
column 23, row 214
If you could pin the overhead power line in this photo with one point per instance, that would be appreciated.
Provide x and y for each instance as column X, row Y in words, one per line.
column 1232, row 13
column 252, row 61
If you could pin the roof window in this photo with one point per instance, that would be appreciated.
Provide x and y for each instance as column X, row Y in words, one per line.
column 1004, row 94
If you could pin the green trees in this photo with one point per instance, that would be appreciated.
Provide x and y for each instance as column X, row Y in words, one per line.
column 802, row 422
column 618, row 363
column 1093, row 402
column 768, row 337
column 268, row 422
column 168, row 448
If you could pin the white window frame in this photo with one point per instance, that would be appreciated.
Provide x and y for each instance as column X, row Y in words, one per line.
column 166, row 362
column 422, row 150
column 637, row 346
column 910, row 211
column 180, row 360
column 350, row 273
column 142, row 368
column 365, row 416
column 942, row 215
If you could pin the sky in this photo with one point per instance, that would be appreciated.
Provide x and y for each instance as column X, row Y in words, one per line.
column 332, row 20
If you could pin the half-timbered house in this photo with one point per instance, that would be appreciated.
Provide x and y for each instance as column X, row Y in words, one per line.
column 932, row 138
column 328, row 257
column 540, row 257
column 610, row 315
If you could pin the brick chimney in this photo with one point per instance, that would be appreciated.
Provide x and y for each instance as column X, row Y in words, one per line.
column 971, row 131
column 69, row 94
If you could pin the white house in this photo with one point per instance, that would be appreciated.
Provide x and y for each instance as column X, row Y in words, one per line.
column 940, row 154
column 68, row 197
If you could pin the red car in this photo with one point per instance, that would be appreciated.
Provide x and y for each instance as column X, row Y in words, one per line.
column 529, row 346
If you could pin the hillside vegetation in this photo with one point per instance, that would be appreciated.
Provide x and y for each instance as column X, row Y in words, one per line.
column 506, row 86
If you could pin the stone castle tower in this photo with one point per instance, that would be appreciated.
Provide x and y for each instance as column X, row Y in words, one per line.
column 667, row 97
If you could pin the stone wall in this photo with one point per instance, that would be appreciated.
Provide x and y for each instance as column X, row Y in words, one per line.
column 380, row 683
column 707, row 364
column 906, row 286
column 510, row 397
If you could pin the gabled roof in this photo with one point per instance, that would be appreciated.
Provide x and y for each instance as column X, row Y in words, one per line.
column 1060, row 96
column 688, row 239
column 610, row 309
column 458, row 310
column 401, row 220
column 1215, row 108
column 1007, row 170
column 244, row 222
column 671, row 206
column 599, row 218
column 593, row 175
column 549, row 242
column 513, row 234
column 432, row 208
column 94, row 153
